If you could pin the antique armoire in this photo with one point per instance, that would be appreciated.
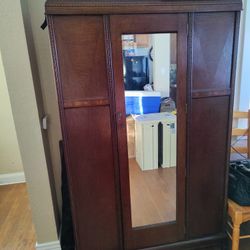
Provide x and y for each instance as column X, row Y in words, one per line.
column 88, row 40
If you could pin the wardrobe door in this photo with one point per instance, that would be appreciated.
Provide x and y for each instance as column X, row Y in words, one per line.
column 80, row 64
column 152, row 185
column 211, row 96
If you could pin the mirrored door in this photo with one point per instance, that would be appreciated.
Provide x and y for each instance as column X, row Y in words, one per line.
column 149, row 61
column 149, row 73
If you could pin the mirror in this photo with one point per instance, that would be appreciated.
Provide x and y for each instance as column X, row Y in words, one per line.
column 149, row 71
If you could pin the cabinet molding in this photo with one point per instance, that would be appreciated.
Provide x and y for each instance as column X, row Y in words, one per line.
column 136, row 7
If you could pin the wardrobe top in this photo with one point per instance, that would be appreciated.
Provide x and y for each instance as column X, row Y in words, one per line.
column 139, row 6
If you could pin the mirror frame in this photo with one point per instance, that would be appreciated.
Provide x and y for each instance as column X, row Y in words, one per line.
column 163, row 211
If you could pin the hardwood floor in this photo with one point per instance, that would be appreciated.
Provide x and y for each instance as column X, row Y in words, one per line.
column 16, row 227
column 153, row 198
column 153, row 195
column 17, row 231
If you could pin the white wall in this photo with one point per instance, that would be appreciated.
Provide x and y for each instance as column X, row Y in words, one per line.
column 161, row 64
column 242, row 94
column 20, row 84
column 10, row 158
column 42, row 71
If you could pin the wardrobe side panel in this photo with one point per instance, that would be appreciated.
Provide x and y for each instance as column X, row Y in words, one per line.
column 208, row 147
column 79, row 55
column 213, row 37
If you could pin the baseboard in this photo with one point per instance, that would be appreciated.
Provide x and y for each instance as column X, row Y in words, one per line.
column 53, row 245
column 13, row 178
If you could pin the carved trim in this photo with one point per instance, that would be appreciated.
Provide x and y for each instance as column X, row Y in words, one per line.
column 189, row 108
column 85, row 103
column 210, row 93
column 111, row 91
column 62, row 115
column 110, row 3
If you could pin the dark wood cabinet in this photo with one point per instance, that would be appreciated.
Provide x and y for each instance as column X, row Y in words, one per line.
column 88, row 62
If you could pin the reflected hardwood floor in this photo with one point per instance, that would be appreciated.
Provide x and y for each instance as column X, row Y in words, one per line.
column 153, row 195
column 16, row 227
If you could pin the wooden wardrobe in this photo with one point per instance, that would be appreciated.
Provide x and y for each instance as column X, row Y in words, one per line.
column 87, row 54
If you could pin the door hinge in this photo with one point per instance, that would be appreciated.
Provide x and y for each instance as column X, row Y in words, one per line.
column 187, row 29
column 45, row 122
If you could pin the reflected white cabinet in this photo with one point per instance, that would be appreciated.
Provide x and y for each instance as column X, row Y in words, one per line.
column 150, row 147
column 146, row 144
column 169, row 142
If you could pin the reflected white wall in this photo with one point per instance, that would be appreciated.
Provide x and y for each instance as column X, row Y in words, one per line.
column 161, row 64
column 242, row 95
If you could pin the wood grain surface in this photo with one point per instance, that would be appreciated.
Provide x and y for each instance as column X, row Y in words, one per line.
column 153, row 195
column 16, row 226
column 213, row 47
column 208, row 138
column 82, row 57
column 92, row 173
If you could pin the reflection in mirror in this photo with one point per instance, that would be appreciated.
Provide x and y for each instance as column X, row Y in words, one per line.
column 149, row 70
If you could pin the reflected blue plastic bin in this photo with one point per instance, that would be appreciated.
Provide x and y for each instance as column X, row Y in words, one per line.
column 142, row 102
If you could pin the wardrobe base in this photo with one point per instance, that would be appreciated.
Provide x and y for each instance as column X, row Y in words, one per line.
column 217, row 242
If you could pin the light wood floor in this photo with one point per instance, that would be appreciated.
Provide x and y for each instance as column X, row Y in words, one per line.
column 153, row 198
column 16, row 228
column 153, row 195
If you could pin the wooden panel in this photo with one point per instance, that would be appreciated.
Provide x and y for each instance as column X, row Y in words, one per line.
column 91, row 172
column 207, row 166
column 212, row 50
column 82, row 64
